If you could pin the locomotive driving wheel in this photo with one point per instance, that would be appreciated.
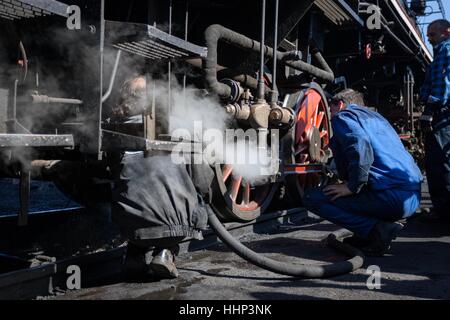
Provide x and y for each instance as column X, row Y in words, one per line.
column 308, row 143
column 236, row 199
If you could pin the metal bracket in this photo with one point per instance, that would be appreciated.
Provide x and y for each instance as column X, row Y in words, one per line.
column 24, row 193
column 116, row 141
column 36, row 140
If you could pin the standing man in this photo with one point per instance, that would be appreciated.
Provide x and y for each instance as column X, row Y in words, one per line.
column 435, row 120
column 381, row 182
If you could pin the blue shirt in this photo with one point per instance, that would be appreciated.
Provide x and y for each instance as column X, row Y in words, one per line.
column 367, row 150
column 436, row 87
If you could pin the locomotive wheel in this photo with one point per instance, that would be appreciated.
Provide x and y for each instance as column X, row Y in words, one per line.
column 308, row 142
column 237, row 200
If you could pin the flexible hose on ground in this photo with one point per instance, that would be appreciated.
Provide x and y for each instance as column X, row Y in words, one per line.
column 294, row 270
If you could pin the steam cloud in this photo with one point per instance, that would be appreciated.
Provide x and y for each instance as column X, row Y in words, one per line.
column 204, row 118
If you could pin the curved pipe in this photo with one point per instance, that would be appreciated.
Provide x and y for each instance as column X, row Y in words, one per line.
column 225, row 72
column 216, row 32
column 113, row 77
column 294, row 270
column 25, row 61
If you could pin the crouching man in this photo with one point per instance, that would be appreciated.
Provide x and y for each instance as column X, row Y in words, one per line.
column 155, row 202
column 381, row 180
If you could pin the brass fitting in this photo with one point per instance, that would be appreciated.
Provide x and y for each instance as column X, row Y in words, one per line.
column 281, row 117
column 259, row 114
column 239, row 112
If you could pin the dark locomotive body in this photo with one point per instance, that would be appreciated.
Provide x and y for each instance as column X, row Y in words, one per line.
column 62, row 85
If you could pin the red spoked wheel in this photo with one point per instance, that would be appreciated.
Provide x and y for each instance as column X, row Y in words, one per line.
column 236, row 199
column 310, row 139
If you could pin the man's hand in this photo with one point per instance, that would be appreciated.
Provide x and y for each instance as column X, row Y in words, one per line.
column 337, row 191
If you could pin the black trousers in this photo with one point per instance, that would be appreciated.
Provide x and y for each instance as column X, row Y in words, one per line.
column 437, row 160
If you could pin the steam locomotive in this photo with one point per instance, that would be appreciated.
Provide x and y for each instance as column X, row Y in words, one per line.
column 271, row 65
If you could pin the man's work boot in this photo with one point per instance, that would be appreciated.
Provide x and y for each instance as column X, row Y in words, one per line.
column 381, row 237
column 163, row 264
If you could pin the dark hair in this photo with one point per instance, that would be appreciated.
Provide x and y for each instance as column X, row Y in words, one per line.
column 441, row 24
column 349, row 96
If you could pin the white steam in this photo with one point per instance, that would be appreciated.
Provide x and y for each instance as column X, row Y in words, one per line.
column 201, row 118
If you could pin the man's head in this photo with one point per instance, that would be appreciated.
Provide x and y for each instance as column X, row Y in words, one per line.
column 438, row 31
column 132, row 97
column 344, row 98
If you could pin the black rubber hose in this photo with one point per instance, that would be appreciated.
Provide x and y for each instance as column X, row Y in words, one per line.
column 294, row 270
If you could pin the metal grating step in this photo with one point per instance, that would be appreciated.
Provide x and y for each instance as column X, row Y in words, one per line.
column 149, row 42
column 20, row 9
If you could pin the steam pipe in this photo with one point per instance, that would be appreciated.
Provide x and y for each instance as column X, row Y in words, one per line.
column 38, row 98
column 400, row 43
column 244, row 79
column 274, row 96
column 260, row 94
column 113, row 76
column 116, row 62
column 216, row 32
column 397, row 39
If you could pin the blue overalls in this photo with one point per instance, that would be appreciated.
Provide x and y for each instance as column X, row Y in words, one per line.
column 383, row 176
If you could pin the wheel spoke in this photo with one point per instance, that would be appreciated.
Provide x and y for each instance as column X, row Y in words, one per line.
column 307, row 131
column 314, row 119
column 300, row 148
column 298, row 135
column 235, row 188
column 246, row 199
column 311, row 115
column 226, row 171
column 319, row 119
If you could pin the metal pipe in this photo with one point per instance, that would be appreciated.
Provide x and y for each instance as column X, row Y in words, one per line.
column 116, row 62
column 398, row 22
column 186, row 26
column 25, row 61
column 169, row 68
column 411, row 98
column 274, row 96
column 113, row 76
column 260, row 94
column 14, row 113
column 406, row 87
column 216, row 32
column 400, row 43
column 24, row 195
column 38, row 98
column 244, row 79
